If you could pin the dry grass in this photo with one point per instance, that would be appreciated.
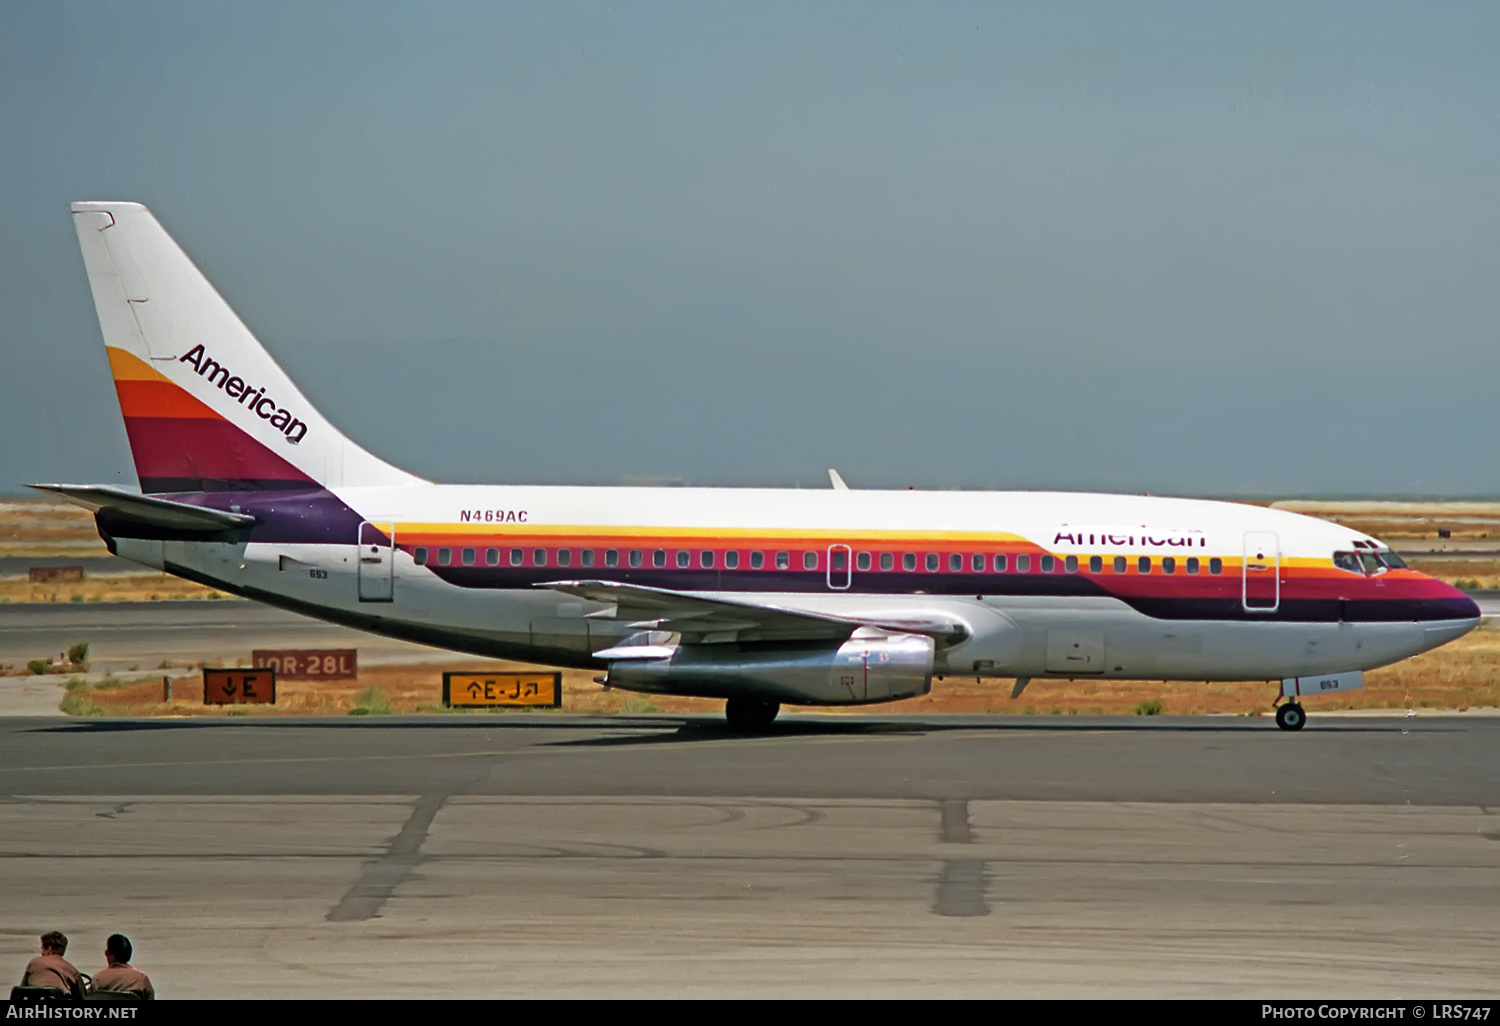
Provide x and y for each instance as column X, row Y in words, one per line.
column 29, row 528
column 1465, row 521
column 1458, row 676
column 1482, row 573
column 400, row 689
column 143, row 587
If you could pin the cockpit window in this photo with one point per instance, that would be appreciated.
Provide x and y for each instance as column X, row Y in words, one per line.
column 1368, row 561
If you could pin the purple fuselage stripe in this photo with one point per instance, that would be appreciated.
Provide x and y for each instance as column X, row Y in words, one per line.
column 1225, row 606
column 312, row 516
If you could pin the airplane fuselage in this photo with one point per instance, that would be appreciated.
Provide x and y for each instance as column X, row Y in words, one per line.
column 1034, row 584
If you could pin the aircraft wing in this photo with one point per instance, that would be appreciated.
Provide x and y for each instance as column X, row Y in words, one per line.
column 147, row 509
column 702, row 619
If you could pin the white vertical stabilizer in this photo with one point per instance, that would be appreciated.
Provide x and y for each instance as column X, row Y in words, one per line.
column 164, row 325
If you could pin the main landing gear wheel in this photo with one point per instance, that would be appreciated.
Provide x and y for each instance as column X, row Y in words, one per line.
column 1290, row 716
column 748, row 714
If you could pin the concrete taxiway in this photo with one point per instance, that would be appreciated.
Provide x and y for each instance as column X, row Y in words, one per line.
column 485, row 855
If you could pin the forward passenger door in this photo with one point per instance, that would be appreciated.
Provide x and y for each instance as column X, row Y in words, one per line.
column 1260, row 573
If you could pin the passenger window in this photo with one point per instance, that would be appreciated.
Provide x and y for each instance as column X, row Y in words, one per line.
column 1216, row 565
column 862, row 561
column 445, row 556
column 659, row 558
column 419, row 557
column 491, row 557
column 707, row 559
column 783, row 561
column 977, row 563
column 684, row 557
column 1119, row 564
column 932, row 562
column 564, row 557
column 809, row 560
column 757, row 560
column 516, row 557
column 1192, row 564
column 887, row 561
column 908, row 561
column 1000, row 562
column 840, row 559
column 636, row 557
column 468, row 557
column 586, row 557
column 1168, row 565
column 1096, row 564
column 1143, row 564
column 1023, row 564
column 611, row 557
column 1071, row 564
column 731, row 560
column 955, row 563
column 1047, row 564
column 539, row 557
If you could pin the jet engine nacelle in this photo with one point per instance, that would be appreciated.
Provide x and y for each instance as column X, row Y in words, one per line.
column 872, row 666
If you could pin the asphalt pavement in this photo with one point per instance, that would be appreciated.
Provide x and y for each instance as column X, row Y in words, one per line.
column 523, row 855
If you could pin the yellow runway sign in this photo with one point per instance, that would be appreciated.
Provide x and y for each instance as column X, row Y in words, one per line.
column 502, row 690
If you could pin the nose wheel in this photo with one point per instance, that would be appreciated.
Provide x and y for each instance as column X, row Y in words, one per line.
column 1290, row 716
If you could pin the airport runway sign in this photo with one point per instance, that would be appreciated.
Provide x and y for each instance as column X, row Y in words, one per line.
column 502, row 690
column 310, row 663
column 239, row 686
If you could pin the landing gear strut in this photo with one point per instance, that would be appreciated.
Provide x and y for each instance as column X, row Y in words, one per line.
column 1290, row 716
column 749, row 714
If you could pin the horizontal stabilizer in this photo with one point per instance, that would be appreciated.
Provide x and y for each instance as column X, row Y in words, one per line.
column 146, row 509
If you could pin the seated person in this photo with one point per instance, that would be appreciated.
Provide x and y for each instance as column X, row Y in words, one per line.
column 50, row 969
column 121, row 975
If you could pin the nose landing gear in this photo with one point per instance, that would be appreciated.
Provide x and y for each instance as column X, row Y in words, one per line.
column 1290, row 716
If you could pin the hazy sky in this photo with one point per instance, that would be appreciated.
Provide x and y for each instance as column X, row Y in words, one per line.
column 1191, row 248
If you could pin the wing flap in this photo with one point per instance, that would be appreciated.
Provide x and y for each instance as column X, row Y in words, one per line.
column 705, row 619
column 660, row 609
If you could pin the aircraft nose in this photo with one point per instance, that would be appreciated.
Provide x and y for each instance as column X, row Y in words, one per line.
column 1446, row 602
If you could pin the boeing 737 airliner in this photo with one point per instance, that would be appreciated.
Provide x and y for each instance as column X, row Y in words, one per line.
column 759, row 597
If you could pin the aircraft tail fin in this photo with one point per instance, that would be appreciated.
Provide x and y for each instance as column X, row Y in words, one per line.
column 206, row 407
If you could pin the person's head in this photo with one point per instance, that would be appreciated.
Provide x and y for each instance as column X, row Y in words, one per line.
column 54, row 943
column 117, row 950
